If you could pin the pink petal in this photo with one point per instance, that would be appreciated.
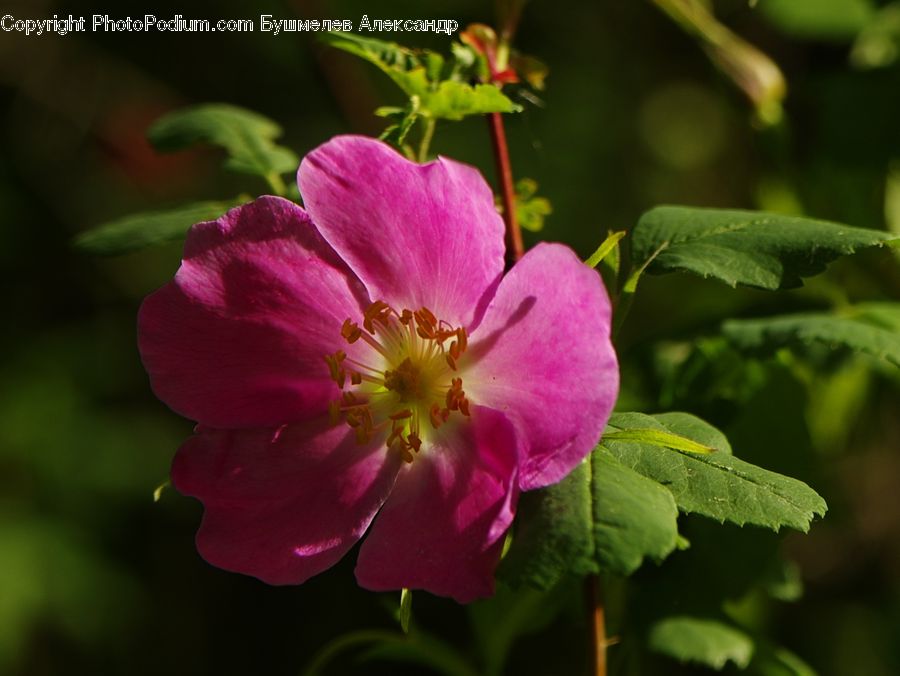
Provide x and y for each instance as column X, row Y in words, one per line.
column 283, row 505
column 442, row 527
column 543, row 356
column 237, row 338
column 415, row 234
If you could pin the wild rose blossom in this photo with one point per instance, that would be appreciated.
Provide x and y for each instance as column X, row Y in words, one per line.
column 363, row 364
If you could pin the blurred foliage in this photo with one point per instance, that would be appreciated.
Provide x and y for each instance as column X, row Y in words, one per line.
column 95, row 578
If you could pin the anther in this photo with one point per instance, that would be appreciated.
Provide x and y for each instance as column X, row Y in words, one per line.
column 350, row 331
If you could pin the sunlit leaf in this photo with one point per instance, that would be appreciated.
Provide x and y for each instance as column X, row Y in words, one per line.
column 758, row 249
column 531, row 209
column 705, row 641
column 603, row 516
column 420, row 74
column 717, row 485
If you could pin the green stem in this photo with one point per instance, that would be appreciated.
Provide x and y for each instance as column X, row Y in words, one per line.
column 341, row 644
column 604, row 249
column 427, row 135
column 626, row 295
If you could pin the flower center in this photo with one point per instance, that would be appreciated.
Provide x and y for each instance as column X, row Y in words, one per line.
column 405, row 383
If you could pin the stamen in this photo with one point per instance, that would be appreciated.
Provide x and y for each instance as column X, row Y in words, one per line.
column 350, row 331
column 410, row 380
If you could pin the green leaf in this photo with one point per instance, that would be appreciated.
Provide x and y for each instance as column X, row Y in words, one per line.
column 768, row 251
column 878, row 43
column 246, row 136
column 531, row 210
column 554, row 534
column 857, row 332
column 602, row 517
column 633, row 517
column 455, row 100
column 419, row 74
column 704, row 641
column 716, row 485
column 149, row 228
column 838, row 20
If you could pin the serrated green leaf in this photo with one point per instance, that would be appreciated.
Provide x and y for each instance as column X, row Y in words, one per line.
column 419, row 74
column 455, row 100
column 716, row 485
column 701, row 640
column 768, row 251
column 246, row 136
column 149, row 228
column 633, row 517
column 554, row 534
column 602, row 517
column 853, row 332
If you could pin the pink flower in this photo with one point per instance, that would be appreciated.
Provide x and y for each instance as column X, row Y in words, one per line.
column 364, row 365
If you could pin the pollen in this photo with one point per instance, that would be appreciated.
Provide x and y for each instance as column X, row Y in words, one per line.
column 404, row 382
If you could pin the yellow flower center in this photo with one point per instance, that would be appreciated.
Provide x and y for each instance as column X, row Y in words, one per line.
column 406, row 383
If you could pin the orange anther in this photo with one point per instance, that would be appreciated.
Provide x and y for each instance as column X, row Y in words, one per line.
column 377, row 311
column 413, row 440
column 451, row 362
column 435, row 415
column 463, row 339
column 355, row 377
column 350, row 331
column 401, row 415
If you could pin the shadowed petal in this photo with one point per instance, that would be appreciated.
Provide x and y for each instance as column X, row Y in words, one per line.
column 415, row 234
column 442, row 527
column 283, row 505
column 543, row 356
column 237, row 338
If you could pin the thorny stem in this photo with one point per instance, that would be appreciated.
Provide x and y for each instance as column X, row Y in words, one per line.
column 515, row 249
column 597, row 611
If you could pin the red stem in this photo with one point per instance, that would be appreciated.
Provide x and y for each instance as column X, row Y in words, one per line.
column 598, row 625
column 515, row 249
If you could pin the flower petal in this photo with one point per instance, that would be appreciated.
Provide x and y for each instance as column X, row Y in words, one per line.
column 416, row 234
column 442, row 527
column 543, row 356
column 237, row 338
column 283, row 504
